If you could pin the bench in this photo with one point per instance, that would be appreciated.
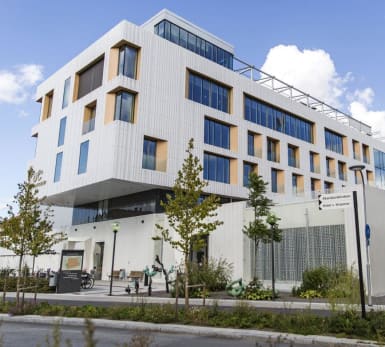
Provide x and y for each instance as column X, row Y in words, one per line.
column 135, row 275
column 115, row 275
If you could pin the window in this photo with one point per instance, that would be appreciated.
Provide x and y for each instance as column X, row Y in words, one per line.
column 274, row 180
column 330, row 167
column 66, row 92
column 127, row 61
column 89, row 118
column 292, row 155
column 379, row 167
column 356, row 150
column 90, row 78
column 297, row 184
column 62, row 131
column 194, row 43
column 58, row 164
column 273, row 150
column 365, row 154
column 328, row 187
column 149, row 154
column 124, row 106
column 250, row 144
column 342, row 171
column 47, row 105
column 248, row 168
column 334, row 141
column 208, row 92
column 216, row 168
column 315, row 187
column 83, row 157
column 263, row 114
column 217, row 134
column 314, row 162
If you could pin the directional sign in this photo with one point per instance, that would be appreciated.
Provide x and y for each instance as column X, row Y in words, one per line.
column 335, row 201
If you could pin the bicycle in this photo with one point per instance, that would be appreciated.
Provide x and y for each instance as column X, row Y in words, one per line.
column 87, row 281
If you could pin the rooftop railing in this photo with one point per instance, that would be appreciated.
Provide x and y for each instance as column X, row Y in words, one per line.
column 295, row 94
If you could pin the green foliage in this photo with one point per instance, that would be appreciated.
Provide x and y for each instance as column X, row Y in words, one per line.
column 255, row 291
column 310, row 294
column 214, row 273
column 264, row 227
column 341, row 324
column 338, row 285
column 11, row 282
column 191, row 218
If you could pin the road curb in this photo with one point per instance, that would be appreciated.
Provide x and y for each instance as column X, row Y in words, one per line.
column 267, row 336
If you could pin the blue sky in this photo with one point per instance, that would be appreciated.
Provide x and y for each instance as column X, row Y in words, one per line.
column 333, row 49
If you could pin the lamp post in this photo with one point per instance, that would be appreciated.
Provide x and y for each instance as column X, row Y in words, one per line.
column 115, row 229
column 360, row 168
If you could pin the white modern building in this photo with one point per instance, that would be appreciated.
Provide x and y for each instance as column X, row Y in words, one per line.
column 114, row 126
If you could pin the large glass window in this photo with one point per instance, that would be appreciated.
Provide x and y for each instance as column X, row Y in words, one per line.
column 62, row 131
column 124, row 106
column 149, row 154
column 292, row 155
column 217, row 134
column 58, row 165
column 208, row 92
column 216, row 168
column 272, row 150
column 379, row 167
column 263, row 114
column 334, row 141
column 127, row 61
column 194, row 43
column 90, row 78
column 66, row 92
column 83, row 157
column 248, row 168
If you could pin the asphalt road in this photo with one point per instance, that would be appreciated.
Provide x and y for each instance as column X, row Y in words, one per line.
column 32, row 335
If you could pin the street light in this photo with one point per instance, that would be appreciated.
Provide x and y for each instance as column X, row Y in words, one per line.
column 115, row 229
column 360, row 168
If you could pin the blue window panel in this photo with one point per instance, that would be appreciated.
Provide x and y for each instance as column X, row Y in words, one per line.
column 258, row 112
column 216, row 168
column 217, row 134
column 208, row 93
column 247, row 169
column 333, row 141
column 127, row 61
column 291, row 157
column 205, row 92
column 62, row 131
column 167, row 29
column 161, row 29
column 191, row 42
column 250, row 144
column 312, row 162
column 183, row 38
column 174, row 34
column 274, row 180
column 66, row 92
column 58, row 165
column 83, row 157
column 149, row 154
column 124, row 107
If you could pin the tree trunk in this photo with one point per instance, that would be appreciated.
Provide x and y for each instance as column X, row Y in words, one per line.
column 18, row 280
column 186, row 283
column 33, row 265
column 255, row 259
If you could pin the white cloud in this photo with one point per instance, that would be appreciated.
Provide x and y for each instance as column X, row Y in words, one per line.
column 359, row 108
column 312, row 71
column 15, row 85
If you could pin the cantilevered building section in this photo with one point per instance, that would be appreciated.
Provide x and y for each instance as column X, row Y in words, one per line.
column 115, row 122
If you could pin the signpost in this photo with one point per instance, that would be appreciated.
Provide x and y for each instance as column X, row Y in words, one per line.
column 69, row 277
column 335, row 201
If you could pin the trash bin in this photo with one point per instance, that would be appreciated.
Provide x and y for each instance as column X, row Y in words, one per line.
column 52, row 279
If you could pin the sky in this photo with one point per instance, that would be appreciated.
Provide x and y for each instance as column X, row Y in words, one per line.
column 333, row 50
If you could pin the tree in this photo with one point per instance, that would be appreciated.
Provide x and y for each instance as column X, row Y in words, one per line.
column 259, row 229
column 29, row 231
column 191, row 218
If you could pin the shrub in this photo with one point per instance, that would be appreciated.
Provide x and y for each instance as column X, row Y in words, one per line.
column 42, row 284
column 255, row 291
column 318, row 279
column 310, row 294
column 215, row 274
